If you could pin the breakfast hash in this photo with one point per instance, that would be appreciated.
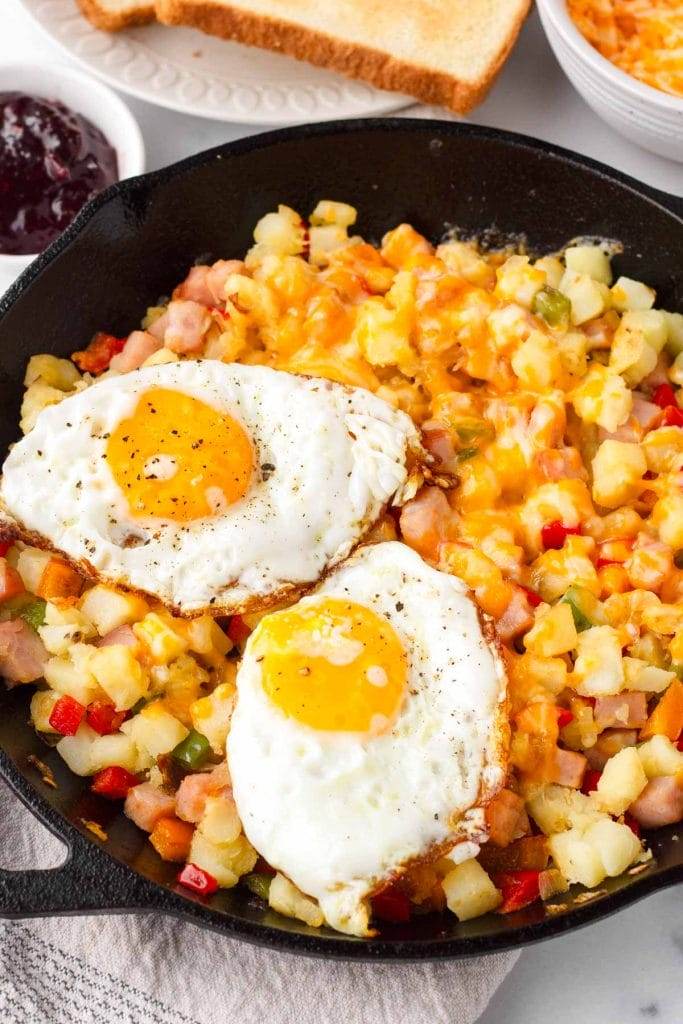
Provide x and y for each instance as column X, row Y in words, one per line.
column 437, row 665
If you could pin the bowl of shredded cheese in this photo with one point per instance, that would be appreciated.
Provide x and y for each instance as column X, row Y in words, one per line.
column 625, row 57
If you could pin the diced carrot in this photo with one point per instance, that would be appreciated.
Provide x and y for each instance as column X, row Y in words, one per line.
column 10, row 581
column 58, row 580
column 171, row 838
column 667, row 717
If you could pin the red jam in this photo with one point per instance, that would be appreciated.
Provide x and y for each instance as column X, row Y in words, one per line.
column 52, row 161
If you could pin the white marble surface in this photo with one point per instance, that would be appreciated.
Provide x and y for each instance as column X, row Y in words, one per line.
column 628, row 969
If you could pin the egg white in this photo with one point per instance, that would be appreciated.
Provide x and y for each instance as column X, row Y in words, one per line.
column 329, row 458
column 339, row 812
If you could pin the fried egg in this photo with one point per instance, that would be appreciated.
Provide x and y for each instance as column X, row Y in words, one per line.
column 370, row 729
column 206, row 485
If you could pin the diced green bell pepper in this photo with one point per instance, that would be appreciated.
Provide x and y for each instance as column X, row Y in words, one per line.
column 553, row 306
column 34, row 613
column 467, row 453
column 258, row 883
column 585, row 607
column 193, row 751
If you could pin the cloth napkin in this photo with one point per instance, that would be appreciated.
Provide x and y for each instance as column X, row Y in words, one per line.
column 153, row 969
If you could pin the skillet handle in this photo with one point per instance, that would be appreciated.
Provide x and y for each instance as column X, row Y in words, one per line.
column 82, row 884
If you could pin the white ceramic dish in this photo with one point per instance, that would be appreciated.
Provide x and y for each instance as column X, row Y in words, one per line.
column 88, row 97
column 651, row 118
column 185, row 70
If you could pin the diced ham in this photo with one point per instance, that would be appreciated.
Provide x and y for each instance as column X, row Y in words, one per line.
column 660, row 375
column 569, row 768
column 146, row 804
column 628, row 710
column 506, row 818
column 517, row 617
column 195, row 287
column 140, row 345
column 424, row 521
column 158, row 328
column 218, row 275
column 660, row 803
column 646, row 413
column 194, row 789
column 631, row 432
column 438, row 440
column 188, row 322
column 121, row 635
column 561, row 464
column 22, row 654
column 608, row 744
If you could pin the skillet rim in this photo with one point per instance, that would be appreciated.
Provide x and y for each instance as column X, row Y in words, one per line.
column 126, row 890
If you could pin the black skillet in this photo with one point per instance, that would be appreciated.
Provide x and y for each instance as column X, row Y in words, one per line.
column 131, row 245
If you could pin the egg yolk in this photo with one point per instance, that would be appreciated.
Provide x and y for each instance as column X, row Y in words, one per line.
column 178, row 458
column 332, row 665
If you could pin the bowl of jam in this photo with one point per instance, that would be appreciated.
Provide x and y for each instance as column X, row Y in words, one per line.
column 64, row 137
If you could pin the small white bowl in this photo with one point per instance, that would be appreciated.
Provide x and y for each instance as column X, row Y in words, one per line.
column 86, row 96
column 649, row 117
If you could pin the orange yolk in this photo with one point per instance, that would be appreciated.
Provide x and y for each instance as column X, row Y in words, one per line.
column 178, row 458
column 333, row 665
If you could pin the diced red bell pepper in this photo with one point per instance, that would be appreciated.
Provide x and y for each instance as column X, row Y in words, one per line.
column 532, row 597
column 99, row 353
column 114, row 783
column 11, row 582
column 198, row 880
column 680, row 743
column 103, row 717
column 564, row 717
column 673, row 416
column 553, row 535
column 590, row 781
column 392, row 905
column 238, row 630
column 633, row 824
column 664, row 396
column 66, row 716
column 519, row 889
column 5, row 545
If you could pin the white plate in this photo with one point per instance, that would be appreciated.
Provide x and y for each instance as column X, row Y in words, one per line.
column 186, row 70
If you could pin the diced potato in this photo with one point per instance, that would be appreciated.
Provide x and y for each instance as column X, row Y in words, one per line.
column 638, row 675
column 674, row 333
column 577, row 858
column 598, row 669
column 119, row 674
column 663, row 449
column 285, row 898
column 659, row 756
column 618, row 470
column 615, row 844
column 558, row 808
column 591, row 260
column 163, row 643
column 518, row 280
column 206, row 637
column 108, row 608
column 573, row 346
column 553, row 633
column 589, row 298
column 537, row 362
column 383, row 335
column 161, row 356
column 327, row 211
column 72, row 675
column 552, row 268
column 632, row 356
column 622, row 781
column 651, row 323
column 181, row 683
column 667, row 516
column 282, row 232
column 324, row 240
column 37, row 398
column 564, row 501
column 31, row 565
column 42, row 703
column 629, row 294
column 469, row 891
column 117, row 749
column 58, row 373
column 64, row 626
column 555, row 571
column 77, row 750
column 211, row 715
column 220, row 822
column 226, row 862
column 155, row 730
column 464, row 259
column 602, row 397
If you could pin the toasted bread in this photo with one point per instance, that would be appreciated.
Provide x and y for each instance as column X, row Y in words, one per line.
column 113, row 15
column 446, row 52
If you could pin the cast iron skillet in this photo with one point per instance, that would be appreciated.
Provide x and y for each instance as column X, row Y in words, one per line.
column 131, row 245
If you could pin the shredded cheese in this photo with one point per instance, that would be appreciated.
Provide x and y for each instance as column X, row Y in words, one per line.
column 642, row 37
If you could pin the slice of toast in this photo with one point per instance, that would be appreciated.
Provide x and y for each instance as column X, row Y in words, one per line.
column 445, row 52
column 113, row 15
